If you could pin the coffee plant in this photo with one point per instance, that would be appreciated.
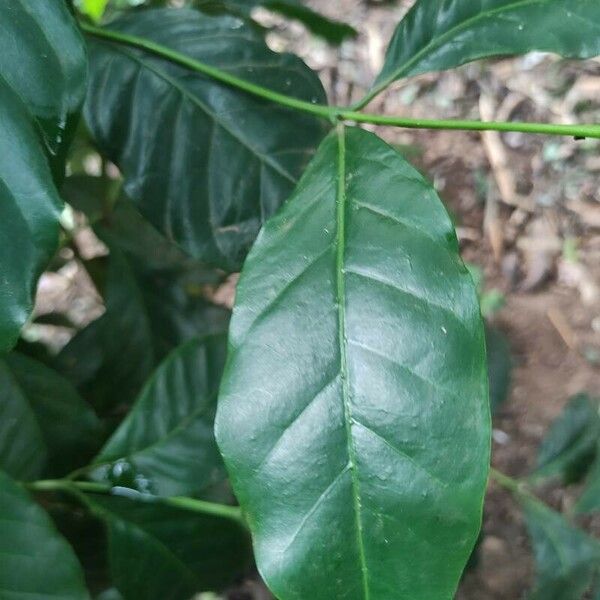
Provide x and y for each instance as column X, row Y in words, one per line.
column 337, row 431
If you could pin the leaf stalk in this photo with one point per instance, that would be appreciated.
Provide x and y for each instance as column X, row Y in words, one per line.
column 214, row 509
column 337, row 113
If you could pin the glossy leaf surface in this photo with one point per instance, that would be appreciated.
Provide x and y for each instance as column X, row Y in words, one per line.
column 36, row 561
column 157, row 552
column 42, row 58
column 353, row 415
column 569, row 447
column 432, row 37
column 166, row 443
column 43, row 82
column 45, row 427
column 566, row 558
column 212, row 163
column 29, row 210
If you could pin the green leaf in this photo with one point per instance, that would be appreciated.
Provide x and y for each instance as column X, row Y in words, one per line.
column 590, row 499
column 111, row 358
column 36, row 561
column 93, row 8
column 432, row 38
column 45, row 427
column 333, row 31
column 157, row 552
column 232, row 158
column 566, row 558
column 353, row 414
column 42, row 58
column 569, row 447
column 499, row 366
column 29, row 211
column 154, row 297
column 166, row 443
column 42, row 63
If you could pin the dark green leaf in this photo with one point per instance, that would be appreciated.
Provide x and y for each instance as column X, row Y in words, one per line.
column 154, row 299
column 36, row 560
column 334, row 32
column 204, row 162
column 45, row 427
column 353, row 414
column 157, row 552
column 590, row 499
column 566, row 558
column 499, row 366
column 111, row 358
column 166, row 444
column 42, row 84
column 569, row 447
column 42, row 58
column 29, row 211
column 433, row 38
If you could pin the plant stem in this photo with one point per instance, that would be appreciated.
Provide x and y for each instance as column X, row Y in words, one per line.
column 233, row 513
column 333, row 113
column 514, row 485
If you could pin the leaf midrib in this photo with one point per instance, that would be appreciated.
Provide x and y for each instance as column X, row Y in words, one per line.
column 436, row 42
column 340, row 247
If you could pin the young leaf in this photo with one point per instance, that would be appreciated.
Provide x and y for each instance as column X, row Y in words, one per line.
column 569, row 447
column 36, row 561
column 45, row 427
column 157, row 552
column 233, row 158
column 93, row 8
column 353, row 414
column 433, row 38
column 566, row 558
column 166, row 443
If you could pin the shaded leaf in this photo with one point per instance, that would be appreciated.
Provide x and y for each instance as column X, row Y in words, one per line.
column 36, row 561
column 233, row 158
column 157, row 552
column 569, row 447
column 29, row 211
column 154, row 298
column 431, row 39
column 566, row 558
column 111, row 358
column 353, row 414
column 590, row 499
column 43, row 82
column 42, row 58
column 166, row 443
column 45, row 427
